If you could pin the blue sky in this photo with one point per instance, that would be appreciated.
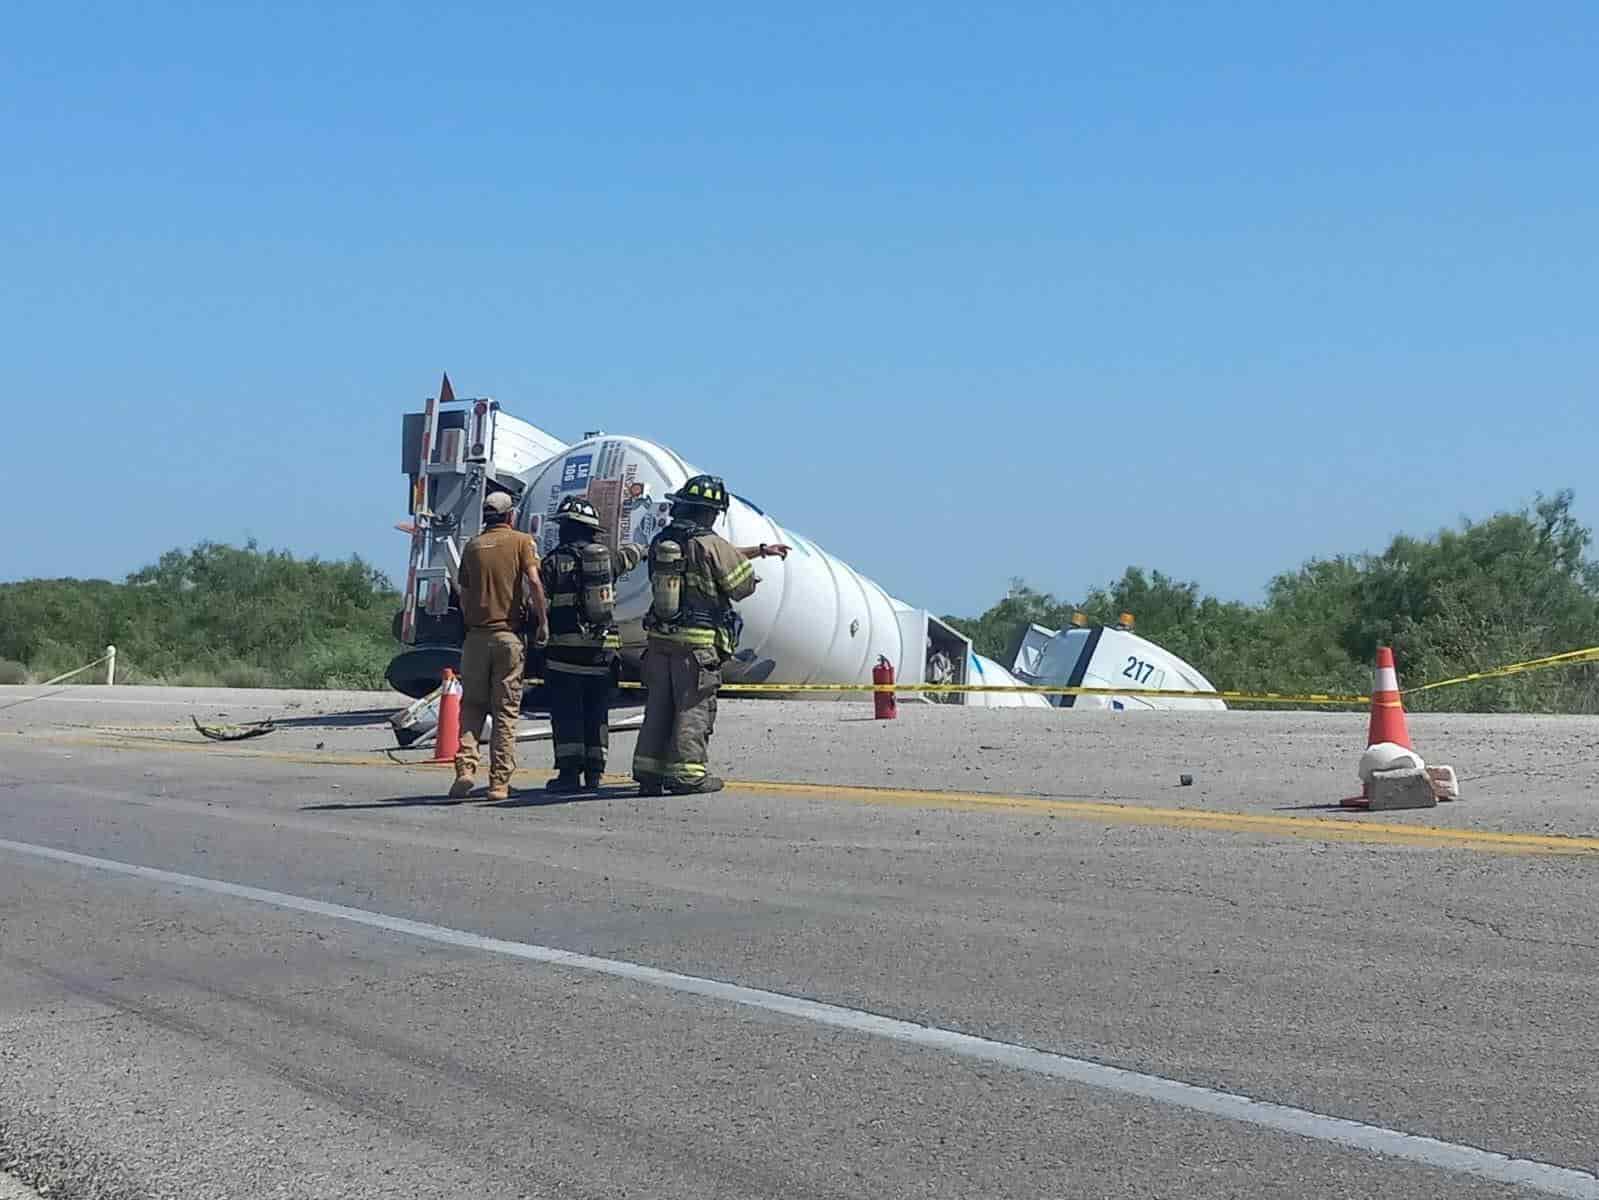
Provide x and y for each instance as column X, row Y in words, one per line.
column 961, row 292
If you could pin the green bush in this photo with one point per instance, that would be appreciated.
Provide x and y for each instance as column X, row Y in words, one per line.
column 13, row 672
column 213, row 616
column 1515, row 587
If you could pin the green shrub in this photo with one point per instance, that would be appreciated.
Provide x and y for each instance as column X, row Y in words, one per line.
column 213, row 616
column 1515, row 587
column 13, row 672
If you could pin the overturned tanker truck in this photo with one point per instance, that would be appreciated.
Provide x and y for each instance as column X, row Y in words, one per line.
column 814, row 620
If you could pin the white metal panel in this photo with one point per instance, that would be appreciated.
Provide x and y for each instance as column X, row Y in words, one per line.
column 518, row 447
column 1125, row 660
column 986, row 671
column 912, row 632
column 1030, row 654
column 813, row 619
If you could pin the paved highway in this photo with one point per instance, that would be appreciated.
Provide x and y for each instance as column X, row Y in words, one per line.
column 263, row 970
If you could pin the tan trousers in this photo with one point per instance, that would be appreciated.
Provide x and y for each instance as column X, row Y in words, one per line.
column 679, row 715
column 491, row 682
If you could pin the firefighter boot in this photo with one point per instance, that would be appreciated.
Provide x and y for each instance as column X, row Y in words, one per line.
column 650, row 785
column 568, row 781
column 709, row 783
column 594, row 779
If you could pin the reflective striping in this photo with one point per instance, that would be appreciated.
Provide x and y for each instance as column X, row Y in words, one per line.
column 705, row 585
column 697, row 638
column 1548, row 1178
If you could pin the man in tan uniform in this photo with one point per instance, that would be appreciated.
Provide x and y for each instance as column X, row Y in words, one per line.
column 500, row 594
column 696, row 576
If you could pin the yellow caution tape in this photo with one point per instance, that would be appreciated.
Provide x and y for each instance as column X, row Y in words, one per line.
column 949, row 688
column 1568, row 659
column 1571, row 658
column 1005, row 688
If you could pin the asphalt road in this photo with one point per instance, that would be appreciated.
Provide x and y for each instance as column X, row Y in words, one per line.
column 172, row 1035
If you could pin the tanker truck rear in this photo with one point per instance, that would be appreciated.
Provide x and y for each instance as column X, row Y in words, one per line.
column 814, row 619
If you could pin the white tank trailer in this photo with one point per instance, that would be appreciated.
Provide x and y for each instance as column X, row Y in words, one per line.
column 814, row 618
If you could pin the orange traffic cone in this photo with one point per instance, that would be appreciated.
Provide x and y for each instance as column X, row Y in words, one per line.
column 447, row 741
column 1387, row 737
column 1387, row 709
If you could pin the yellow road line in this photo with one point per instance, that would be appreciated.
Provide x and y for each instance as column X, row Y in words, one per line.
column 1315, row 828
column 306, row 758
column 1331, row 829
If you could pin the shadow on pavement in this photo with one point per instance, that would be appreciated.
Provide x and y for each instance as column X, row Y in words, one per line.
column 523, row 798
column 436, row 800
column 538, row 798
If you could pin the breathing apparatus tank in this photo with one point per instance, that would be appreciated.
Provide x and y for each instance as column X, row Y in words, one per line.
column 599, row 594
column 666, row 581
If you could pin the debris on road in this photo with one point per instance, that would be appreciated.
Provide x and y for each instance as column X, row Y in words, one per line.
column 233, row 733
column 1445, row 785
column 1403, row 787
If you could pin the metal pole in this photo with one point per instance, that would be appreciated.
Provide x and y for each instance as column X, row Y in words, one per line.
column 110, row 665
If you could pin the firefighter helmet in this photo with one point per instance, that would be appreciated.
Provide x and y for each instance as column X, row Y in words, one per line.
column 579, row 511
column 707, row 491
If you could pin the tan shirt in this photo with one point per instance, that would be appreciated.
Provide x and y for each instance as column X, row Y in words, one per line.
column 493, row 566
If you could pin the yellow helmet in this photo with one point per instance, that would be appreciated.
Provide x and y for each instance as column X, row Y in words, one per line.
column 579, row 511
column 708, row 491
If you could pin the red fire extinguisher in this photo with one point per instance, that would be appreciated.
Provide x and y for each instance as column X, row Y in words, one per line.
column 885, row 705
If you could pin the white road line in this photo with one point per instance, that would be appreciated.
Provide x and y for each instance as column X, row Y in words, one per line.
column 15, row 1189
column 1450, row 1156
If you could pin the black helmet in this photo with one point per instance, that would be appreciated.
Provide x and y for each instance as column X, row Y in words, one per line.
column 707, row 491
column 579, row 511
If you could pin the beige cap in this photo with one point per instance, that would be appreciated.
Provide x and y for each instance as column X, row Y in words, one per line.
column 497, row 502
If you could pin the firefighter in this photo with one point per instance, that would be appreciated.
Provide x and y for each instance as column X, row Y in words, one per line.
column 501, row 595
column 696, row 576
column 582, row 662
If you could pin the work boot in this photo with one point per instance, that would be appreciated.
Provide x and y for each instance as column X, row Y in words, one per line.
column 593, row 780
column 462, row 787
column 568, row 781
column 499, row 791
column 709, row 783
column 649, row 785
